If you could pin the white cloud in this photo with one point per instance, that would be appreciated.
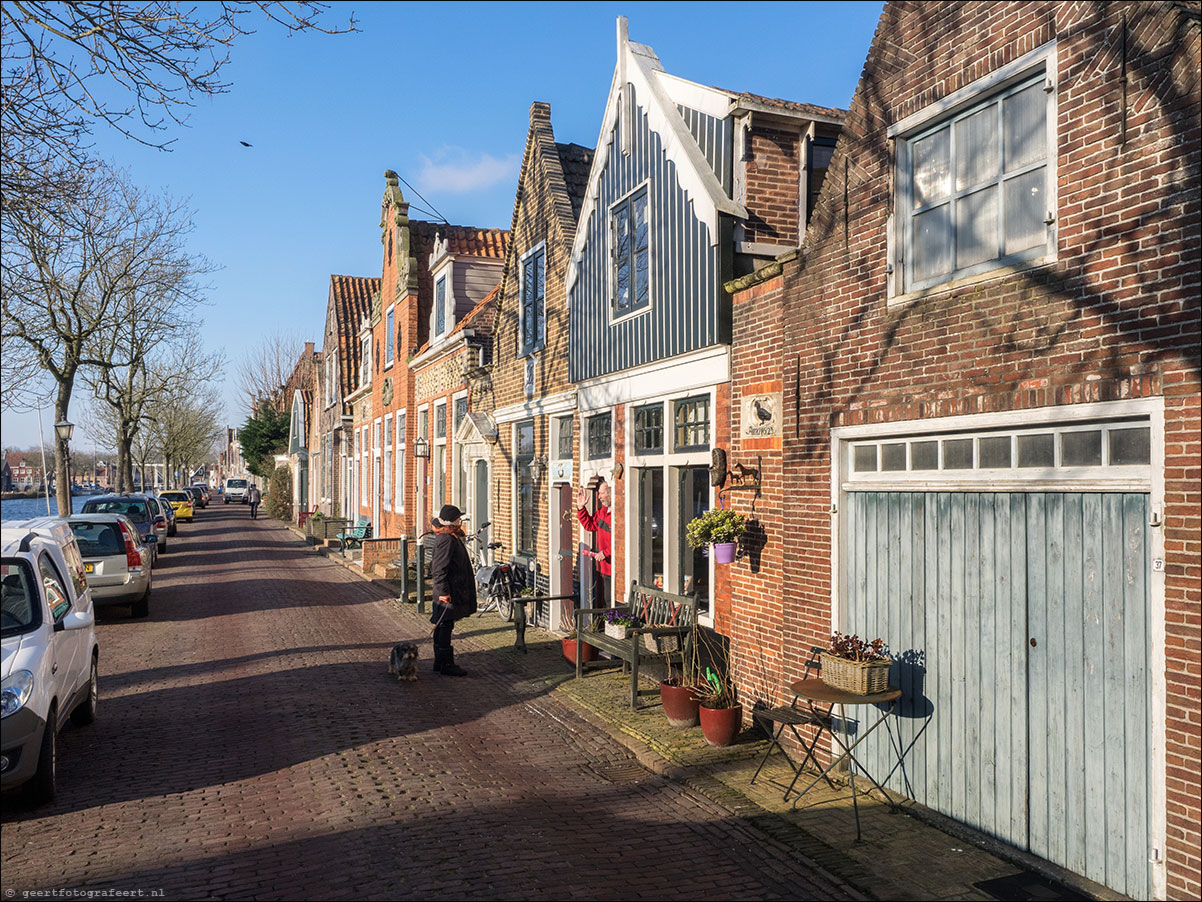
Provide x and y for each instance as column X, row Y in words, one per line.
column 453, row 170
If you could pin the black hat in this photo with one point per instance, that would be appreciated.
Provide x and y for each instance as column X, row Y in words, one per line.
column 449, row 514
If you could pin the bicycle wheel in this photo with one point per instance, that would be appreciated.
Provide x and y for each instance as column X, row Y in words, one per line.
column 504, row 601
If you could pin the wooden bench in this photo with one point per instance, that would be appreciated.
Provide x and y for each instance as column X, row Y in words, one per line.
column 664, row 616
column 305, row 515
column 353, row 538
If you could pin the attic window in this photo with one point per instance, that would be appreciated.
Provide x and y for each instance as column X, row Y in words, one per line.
column 440, row 306
column 630, row 240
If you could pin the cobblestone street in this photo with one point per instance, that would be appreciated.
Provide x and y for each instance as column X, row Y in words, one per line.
column 250, row 744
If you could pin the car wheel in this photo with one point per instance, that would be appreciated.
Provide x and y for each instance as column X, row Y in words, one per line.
column 163, row 547
column 173, row 530
column 40, row 789
column 85, row 711
column 141, row 607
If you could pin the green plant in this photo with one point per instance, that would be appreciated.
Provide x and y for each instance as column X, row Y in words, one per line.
column 620, row 617
column 715, row 527
column 279, row 495
column 853, row 648
column 711, row 670
column 318, row 515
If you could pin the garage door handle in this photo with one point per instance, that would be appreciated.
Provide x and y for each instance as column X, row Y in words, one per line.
column 54, row 668
column 1033, row 642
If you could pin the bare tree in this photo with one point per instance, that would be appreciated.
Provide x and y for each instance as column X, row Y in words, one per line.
column 264, row 370
column 68, row 282
column 137, row 67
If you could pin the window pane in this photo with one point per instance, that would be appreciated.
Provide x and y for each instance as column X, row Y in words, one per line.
column 440, row 421
column 525, row 440
column 1081, row 449
column 649, row 429
column 1036, row 450
column 622, row 260
column 932, row 243
column 994, row 452
column 565, row 438
column 692, row 421
column 1130, row 446
column 641, row 271
column 893, row 457
column 976, row 227
column 693, row 563
column 440, row 306
column 1026, row 207
column 650, row 527
column 924, row 456
column 976, row 148
column 957, row 454
column 599, row 436
column 865, row 458
column 930, row 167
column 390, row 336
column 1025, row 128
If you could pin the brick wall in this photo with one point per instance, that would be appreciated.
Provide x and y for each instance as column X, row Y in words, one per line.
column 773, row 185
column 1115, row 316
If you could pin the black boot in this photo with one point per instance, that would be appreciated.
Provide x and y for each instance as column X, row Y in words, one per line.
column 449, row 667
column 439, row 658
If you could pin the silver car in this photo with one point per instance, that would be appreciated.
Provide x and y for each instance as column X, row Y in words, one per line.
column 117, row 564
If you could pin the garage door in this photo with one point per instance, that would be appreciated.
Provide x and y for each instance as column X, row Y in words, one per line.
column 1020, row 623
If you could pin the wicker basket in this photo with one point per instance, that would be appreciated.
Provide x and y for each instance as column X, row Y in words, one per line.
column 857, row 677
column 661, row 644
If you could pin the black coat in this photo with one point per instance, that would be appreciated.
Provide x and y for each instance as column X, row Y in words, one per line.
column 452, row 574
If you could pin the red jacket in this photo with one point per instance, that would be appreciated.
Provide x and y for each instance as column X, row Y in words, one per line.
column 602, row 526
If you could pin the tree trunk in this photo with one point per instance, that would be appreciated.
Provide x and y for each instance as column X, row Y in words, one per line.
column 62, row 469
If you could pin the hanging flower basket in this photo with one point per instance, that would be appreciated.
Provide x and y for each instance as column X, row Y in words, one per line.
column 724, row 552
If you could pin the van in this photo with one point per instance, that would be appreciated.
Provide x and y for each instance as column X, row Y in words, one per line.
column 235, row 490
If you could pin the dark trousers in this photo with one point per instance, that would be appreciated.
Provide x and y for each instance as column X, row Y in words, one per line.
column 254, row 509
column 603, row 591
column 442, row 633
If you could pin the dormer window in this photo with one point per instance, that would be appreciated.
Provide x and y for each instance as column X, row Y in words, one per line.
column 389, row 336
column 533, row 306
column 630, row 243
column 365, row 362
column 440, row 306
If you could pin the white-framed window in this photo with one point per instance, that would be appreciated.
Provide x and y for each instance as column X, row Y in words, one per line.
column 365, row 465
column 331, row 386
column 533, row 311
column 401, row 417
column 630, row 253
column 564, row 437
column 389, row 336
column 388, row 463
column 667, row 485
column 975, row 177
column 440, row 306
column 598, row 437
column 524, row 490
column 459, row 402
column 365, row 361
column 439, row 455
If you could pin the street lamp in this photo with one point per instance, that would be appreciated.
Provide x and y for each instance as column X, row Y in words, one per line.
column 63, row 430
column 421, row 448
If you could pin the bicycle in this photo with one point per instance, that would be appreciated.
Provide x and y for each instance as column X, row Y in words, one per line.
column 495, row 580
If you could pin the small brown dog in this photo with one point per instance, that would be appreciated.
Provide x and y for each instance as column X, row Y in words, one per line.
column 403, row 661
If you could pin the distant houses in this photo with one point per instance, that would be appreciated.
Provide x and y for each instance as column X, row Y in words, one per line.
column 949, row 334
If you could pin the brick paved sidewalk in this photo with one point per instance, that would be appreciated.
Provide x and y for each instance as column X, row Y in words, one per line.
column 900, row 856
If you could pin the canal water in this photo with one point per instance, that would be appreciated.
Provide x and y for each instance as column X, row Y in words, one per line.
column 28, row 508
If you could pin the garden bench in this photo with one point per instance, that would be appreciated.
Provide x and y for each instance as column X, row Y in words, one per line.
column 665, row 616
column 305, row 515
column 353, row 538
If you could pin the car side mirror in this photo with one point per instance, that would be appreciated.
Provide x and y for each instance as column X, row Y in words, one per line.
column 76, row 620
column 151, row 540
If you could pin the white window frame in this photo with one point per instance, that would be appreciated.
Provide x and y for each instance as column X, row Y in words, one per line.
column 668, row 460
column 331, row 368
column 365, row 465
column 540, row 341
column 515, row 504
column 447, row 305
column 365, row 367
column 439, row 493
column 400, row 436
column 389, row 440
column 389, row 335
column 611, row 261
column 1039, row 62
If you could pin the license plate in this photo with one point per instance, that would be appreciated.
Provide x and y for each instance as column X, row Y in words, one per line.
column 88, row 568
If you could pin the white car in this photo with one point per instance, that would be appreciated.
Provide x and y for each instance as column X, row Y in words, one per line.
column 235, row 490
column 117, row 563
column 50, row 655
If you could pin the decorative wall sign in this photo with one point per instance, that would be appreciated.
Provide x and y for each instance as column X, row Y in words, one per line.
column 386, row 392
column 561, row 471
column 761, row 415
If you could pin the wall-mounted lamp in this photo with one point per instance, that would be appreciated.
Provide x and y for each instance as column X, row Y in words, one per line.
column 537, row 467
column 421, row 448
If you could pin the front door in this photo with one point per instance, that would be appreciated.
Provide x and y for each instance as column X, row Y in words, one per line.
column 562, row 515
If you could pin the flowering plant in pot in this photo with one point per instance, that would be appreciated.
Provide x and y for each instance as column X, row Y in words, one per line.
column 568, row 642
column 856, row 665
column 720, row 528
column 618, row 622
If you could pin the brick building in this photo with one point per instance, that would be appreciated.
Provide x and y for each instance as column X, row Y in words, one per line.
column 987, row 355
column 689, row 187
column 527, row 390
column 22, row 472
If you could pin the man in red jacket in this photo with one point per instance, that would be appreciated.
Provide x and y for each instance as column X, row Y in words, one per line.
column 601, row 524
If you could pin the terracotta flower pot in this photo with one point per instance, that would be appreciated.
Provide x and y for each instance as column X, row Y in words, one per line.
column 681, row 703
column 587, row 652
column 721, row 725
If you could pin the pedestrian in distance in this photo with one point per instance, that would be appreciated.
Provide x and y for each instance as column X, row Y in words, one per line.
column 454, row 584
column 254, row 496
column 599, row 522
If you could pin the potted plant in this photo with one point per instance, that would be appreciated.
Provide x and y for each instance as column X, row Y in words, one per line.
column 720, row 713
column 618, row 622
column 856, row 665
column 720, row 528
column 587, row 652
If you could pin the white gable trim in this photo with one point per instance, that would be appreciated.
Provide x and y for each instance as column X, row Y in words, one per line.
column 644, row 71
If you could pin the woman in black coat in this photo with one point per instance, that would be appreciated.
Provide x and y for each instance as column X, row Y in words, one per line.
column 454, row 586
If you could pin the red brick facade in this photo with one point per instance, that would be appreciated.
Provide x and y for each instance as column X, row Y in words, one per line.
column 1114, row 316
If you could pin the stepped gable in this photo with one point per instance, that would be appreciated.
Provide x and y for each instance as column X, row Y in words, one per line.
column 352, row 302
column 466, row 241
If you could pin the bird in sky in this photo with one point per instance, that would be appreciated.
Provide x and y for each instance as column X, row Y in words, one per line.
column 244, row 144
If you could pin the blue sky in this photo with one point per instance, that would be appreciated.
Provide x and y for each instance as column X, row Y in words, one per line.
column 439, row 92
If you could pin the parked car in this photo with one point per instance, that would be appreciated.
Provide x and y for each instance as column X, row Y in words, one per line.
column 169, row 512
column 118, row 565
column 142, row 508
column 201, row 493
column 235, row 490
column 181, row 503
column 50, row 653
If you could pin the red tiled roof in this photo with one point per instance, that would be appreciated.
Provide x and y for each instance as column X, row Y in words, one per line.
column 352, row 302
column 476, row 313
column 468, row 241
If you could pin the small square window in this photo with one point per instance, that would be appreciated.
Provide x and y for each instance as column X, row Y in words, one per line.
column 994, row 453
column 865, row 458
column 924, row 456
column 957, row 454
column 691, row 418
column 1130, row 447
column 1081, row 449
column 649, row 429
column 893, row 457
column 1037, row 450
column 600, row 435
column 564, row 450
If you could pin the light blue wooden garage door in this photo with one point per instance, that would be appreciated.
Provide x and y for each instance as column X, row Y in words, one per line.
column 1020, row 622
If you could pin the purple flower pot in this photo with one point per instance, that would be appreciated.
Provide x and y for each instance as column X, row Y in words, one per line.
column 724, row 552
